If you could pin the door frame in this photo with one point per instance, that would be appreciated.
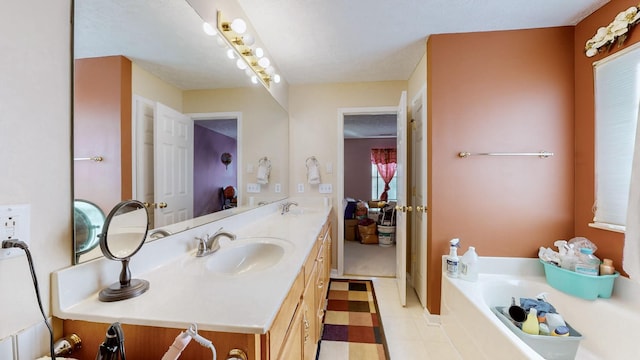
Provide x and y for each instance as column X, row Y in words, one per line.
column 224, row 116
column 375, row 110
column 421, row 98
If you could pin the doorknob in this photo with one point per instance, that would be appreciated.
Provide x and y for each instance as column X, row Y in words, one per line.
column 419, row 208
column 149, row 205
column 162, row 205
column 409, row 209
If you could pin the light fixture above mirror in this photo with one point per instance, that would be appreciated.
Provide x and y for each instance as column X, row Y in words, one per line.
column 242, row 45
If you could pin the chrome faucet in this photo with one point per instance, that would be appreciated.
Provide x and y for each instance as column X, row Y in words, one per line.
column 286, row 206
column 211, row 243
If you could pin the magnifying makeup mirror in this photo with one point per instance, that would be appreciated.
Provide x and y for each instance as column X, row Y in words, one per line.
column 123, row 234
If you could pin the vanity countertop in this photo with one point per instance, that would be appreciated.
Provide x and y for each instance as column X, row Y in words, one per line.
column 182, row 292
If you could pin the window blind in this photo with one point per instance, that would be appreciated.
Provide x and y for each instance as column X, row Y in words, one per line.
column 617, row 96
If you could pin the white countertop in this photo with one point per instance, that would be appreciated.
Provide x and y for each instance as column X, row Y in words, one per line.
column 181, row 291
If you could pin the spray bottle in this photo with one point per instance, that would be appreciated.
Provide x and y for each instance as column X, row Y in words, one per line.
column 453, row 261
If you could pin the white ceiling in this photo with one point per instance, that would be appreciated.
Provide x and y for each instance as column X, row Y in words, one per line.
column 327, row 41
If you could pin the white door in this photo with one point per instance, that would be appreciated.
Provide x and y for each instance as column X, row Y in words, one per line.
column 173, row 171
column 401, row 188
column 143, row 168
column 419, row 198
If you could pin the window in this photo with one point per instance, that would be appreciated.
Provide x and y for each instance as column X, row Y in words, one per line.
column 377, row 185
column 617, row 96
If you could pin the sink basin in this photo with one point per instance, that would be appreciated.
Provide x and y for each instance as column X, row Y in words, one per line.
column 244, row 256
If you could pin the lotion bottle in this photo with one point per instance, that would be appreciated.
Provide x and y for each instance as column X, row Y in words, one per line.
column 469, row 265
column 453, row 261
column 531, row 325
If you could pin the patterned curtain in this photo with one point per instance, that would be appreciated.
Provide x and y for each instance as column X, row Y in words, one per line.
column 386, row 161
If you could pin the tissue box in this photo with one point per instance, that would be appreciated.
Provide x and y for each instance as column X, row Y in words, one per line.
column 580, row 285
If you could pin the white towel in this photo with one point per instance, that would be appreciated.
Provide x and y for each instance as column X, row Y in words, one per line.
column 313, row 174
column 263, row 174
column 264, row 169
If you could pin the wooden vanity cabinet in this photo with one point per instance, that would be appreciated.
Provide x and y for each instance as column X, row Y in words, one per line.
column 294, row 334
column 304, row 333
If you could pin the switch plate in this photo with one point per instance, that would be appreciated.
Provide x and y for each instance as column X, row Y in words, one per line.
column 325, row 188
column 277, row 188
column 253, row 188
column 249, row 168
column 300, row 187
column 14, row 225
column 329, row 167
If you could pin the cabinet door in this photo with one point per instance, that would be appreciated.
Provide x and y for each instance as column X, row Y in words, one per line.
column 309, row 318
column 292, row 349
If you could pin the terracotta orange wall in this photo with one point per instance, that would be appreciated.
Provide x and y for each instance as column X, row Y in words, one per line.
column 609, row 243
column 102, row 126
column 505, row 91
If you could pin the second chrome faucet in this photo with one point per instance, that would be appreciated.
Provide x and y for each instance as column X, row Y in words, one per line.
column 211, row 243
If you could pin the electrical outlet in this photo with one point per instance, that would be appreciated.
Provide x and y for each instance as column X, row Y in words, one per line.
column 249, row 168
column 300, row 187
column 329, row 167
column 325, row 188
column 277, row 188
column 14, row 225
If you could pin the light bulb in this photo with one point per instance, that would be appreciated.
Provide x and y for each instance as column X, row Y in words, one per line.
column 239, row 26
column 259, row 52
column 231, row 54
column 254, row 79
column 209, row 29
column 248, row 40
column 241, row 64
column 264, row 62
column 276, row 78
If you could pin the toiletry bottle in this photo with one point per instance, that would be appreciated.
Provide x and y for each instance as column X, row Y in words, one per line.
column 554, row 320
column 606, row 268
column 469, row 265
column 452, row 260
column 530, row 325
column 587, row 263
column 568, row 261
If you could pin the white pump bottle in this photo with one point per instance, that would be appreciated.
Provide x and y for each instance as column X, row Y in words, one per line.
column 453, row 261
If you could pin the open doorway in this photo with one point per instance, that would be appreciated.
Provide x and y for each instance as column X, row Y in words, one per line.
column 369, row 143
column 216, row 164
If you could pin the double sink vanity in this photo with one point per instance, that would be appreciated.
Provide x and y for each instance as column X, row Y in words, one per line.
column 262, row 293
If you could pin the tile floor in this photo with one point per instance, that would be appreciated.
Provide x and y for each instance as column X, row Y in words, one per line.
column 408, row 334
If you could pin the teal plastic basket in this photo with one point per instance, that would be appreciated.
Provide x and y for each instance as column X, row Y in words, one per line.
column 587, row 287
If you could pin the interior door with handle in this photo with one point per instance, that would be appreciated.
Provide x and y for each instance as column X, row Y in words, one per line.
column 401, row 188
column 173, row 165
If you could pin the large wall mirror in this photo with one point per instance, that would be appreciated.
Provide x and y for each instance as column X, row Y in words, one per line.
column 163, row 116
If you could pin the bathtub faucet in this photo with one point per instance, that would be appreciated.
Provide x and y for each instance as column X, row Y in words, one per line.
column 211, row 244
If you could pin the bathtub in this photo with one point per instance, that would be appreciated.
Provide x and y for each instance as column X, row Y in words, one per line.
column 609, row 327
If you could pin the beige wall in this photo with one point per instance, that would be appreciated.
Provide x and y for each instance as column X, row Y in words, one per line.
column 313, row 110
column 152, row 88
column 35, row 100
column 264, row 132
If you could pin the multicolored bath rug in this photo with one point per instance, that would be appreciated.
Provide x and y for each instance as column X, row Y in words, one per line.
column 352, row 328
